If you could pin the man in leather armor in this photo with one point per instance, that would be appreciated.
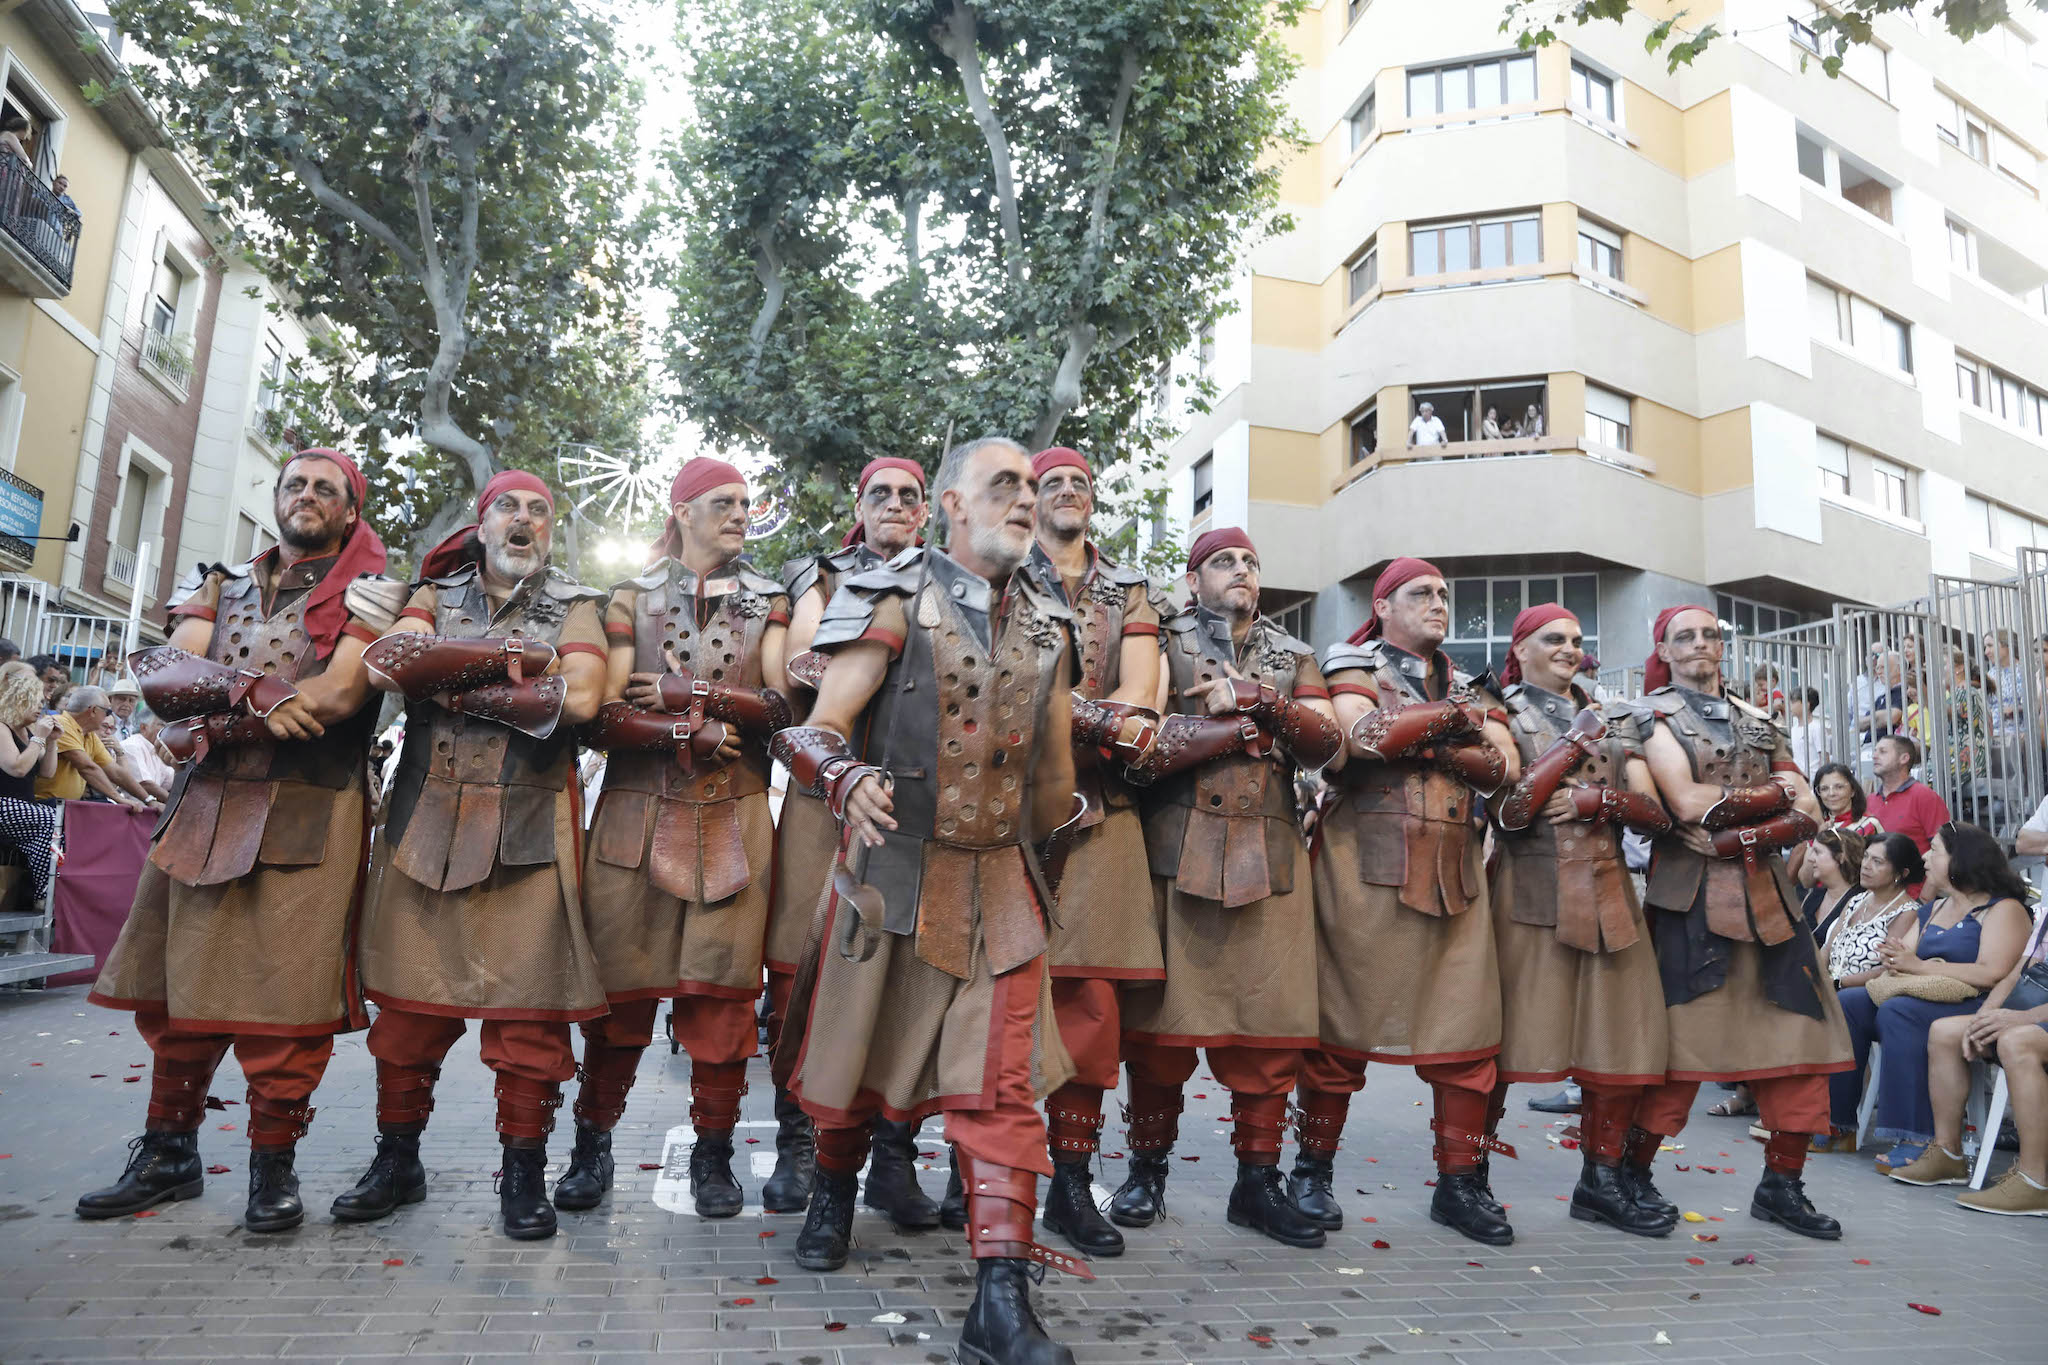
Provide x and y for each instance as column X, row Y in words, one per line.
column 244, row 915
column 1404, row 947
column 675, row 876
column 1106, row 936
column 473, row 910
column 1244, row 706
column 889, row 513
column 1747, row 999
column 1580, row 996
column 940, row 737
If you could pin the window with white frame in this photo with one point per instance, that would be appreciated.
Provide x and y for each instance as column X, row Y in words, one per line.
column 1363, row 271
column 1962, row 248
column 1968, row 131
column 1518, row 407
column 1361, row 119
column 1204, row 483
column 252, row 538
column 1205, row 349
column 1447, row 248
column 1162, row 390
column 1813, row 156
column 166, row 296
column 1804, row 34
column 1888, row 486
column 144, row 493
column 1365, row 433
column 1475, row 86
column 1977, row 518
column 1751, row 617
column 1593, row 92
column 1599, row 248
column 1852, row 321
column 1827, row 312
column 1832, row 456
column 1869, row 65
column 270, row 378
column 1896, row 334
column 1608, row 418
column 1353, row 9
column 1483, row 612
column 2001, row 396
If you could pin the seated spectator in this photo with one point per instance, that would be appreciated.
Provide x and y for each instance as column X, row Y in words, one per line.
column 9, row 651
column 83, row 762
column 147, row 760
column 1764, row 694
column 1837, row 868
column 1809, row 731
column 1877, row 914
column 2032, row 839
column 2012, row 1028
column 26, row 753
column 110, row 736
column 1901, row 804
column 55, row 676
column 126, row 696
column 1886, row 710
column 1958, row 945
column 1966, row 726
column 1842, row 806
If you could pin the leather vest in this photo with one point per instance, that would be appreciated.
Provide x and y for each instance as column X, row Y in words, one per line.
column 1728, row 744
column 827, row 571
column 1237, row 810
column 270, row 802
column 1572, row 871
column 956, row 723
column 470, row 794
column 1419, row 828
column 1100, row 604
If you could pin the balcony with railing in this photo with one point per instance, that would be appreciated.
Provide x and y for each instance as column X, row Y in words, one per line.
column 121, row 565
column 167, row 358
column 38, row 235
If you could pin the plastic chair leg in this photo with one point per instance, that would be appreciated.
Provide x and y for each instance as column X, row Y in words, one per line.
column 1987, row 1133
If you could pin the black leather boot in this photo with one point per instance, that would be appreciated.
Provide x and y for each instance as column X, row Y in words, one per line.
column 590, row 1170
column 1259, row 1201
column 828, row 1223
column 160, row 1166
column 796, row 1158
column 1140, row 1200
column 1643, row 1187
column 953, row 1208
column 1781, row 1198
column 1069, row 1209
column 1484, row 1171
column 892, row 1178
column 712, row 1185
column 1000, row 1328
column 1605, row 1195
column 273, row 1191
column 395, row 1177
column 523, row 1194
column 1459, row 1206
column 1309, row 1187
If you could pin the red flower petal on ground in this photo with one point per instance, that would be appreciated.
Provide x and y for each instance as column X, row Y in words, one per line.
column 1372, row 1158
column 743, row 1303
column 35, row 1063
column 1746, row 1259
column 1715, row 1218
column 395, row 1260
column 97, row 1076
column 767, row 1279
column 132, row 1066
column 1191, row 1158
column 1378, row 1245
column 1720, row 1154
column 151, row 1213
column 769, row 1233
column 1429, row 1184
column 1260, row 1338
column 831, row 1326
column 1569, row 1144
column 216, row 1170
column 1561, row 1198
column 1367, row 1220
column 650, row 1165
column 1677, row 1167
column 1475, row 1263
column 1706, row 1236
column 1694, row 1260
column 1929, row 1309
column 1861, row 1261
column 752, row 1141
column 130, row 1079
column 227, row 1127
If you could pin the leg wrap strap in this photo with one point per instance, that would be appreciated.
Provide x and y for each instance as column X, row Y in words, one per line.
column 1152, row 1118
column 1073, row 1120
column 405, row 1095
column 842, row 1151
column 1002, row 1204
column 1642, row 1147
column 1785, row 1153
column 1319, row 1121
column 177, row 1097
column 1604, row 1125
column 1460, row 1128
column 526, row 1108
column 715, row 1090
column 1257, row 1121
column 277, row 1123
column 606, row 1077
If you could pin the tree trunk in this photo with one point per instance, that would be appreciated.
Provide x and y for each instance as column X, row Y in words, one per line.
column 958, row 38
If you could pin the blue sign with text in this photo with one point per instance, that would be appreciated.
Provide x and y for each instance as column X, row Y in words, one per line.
column 21, row 508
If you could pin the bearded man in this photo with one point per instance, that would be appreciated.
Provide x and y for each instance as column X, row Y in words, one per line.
column 889, row 513
column 474, row 911
column 675, row 879
column 1245, row 708
column 244, row 916
column 1107, row 934
column 927, row 988
column 1747, row 998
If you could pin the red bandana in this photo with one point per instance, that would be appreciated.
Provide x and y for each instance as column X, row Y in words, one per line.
column 1389, row 582
column 1528, row 623
column 1657, row 673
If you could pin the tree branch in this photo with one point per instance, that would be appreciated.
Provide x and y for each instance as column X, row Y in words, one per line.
column 913, row 212
column 768, row 269
column 958, row 39
column 311, row 176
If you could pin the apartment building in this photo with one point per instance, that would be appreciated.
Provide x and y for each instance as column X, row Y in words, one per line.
column 1743, row 333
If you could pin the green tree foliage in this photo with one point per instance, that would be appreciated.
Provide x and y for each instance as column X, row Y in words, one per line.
column 899, row 223
column 446, row 182
column 1673, row 31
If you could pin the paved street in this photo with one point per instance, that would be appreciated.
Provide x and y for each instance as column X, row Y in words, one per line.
column 644, row 1276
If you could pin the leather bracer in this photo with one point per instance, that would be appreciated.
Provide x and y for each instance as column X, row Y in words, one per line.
column 193, row 738
column 622, row 726
column 1100, row 725
column 759, row 711
column 1479, row 765
column 1189, row 741
column 807, row 669
column 821, row 761
column 1746, row 806
column 1396, row 731
column 1541, row 779
column 177, row 684
column 421, row 665
column 1307, row 734
column 1780, row 831
column 1638, row 811
column 533, row 706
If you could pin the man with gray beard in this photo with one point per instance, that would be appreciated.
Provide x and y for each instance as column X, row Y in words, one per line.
column 499, row 657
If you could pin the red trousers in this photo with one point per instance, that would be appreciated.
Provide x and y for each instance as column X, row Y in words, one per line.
column 1264, row 1071
column 1258, row 1078
column 710, row 1028
column 1785, row 1104
column 1337, row 1075
column 536, row 1049
column 780, row 984
column 282, row 1074
column 1090, row 1021
column 1006, row 1131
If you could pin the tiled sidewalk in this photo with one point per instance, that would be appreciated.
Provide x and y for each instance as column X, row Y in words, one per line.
column 644, row 1278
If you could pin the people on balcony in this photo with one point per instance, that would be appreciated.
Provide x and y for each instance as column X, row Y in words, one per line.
column 12, row 127
column 1427, row 429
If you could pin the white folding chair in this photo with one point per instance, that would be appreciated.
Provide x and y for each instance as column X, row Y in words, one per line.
column 1867, row 1111
column 1993, row 1112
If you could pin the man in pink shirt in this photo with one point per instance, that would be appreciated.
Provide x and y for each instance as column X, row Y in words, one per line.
column 1900, row 804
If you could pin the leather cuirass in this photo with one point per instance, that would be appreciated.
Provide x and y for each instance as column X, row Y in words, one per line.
column 1570, row 877
column 1419, row 828
column 471, row 794
column 1100, row 603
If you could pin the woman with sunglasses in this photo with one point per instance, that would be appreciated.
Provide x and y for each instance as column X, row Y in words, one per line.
column 1843, row 805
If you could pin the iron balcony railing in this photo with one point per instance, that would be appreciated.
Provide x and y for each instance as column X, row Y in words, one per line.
column 169, row 354
column 31, row 215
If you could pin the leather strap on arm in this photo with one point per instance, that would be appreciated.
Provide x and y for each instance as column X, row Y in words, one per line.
column 178, row 684
column 758, row 710
column 532, row 706
column 193, row 738
column 1397, row 731
column 1746, row 805
column 1780, row 831
column 422, row 665
column 1099, row 724
column 807, row 669
column 1638, row 811
column 1188, row 741
column 620, row 726
column 1478, row 765
column 1541, row 779
column 1307, row 734
column 823, row 762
